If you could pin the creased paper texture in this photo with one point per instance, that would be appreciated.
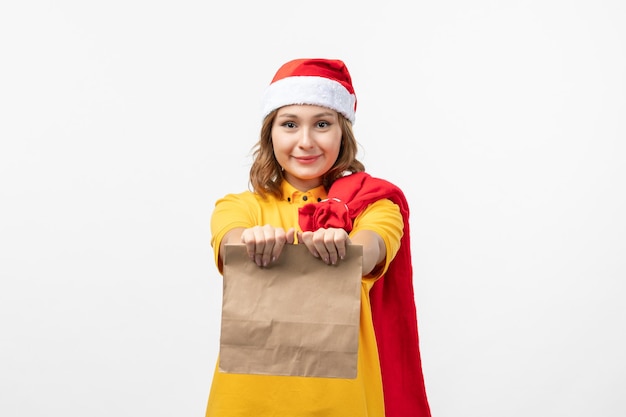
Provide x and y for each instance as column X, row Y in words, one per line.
column 297, row 317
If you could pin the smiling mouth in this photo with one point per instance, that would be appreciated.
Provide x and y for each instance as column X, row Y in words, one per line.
column 306, row 159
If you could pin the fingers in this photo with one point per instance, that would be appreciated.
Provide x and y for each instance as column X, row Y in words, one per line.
column 265, row 243
column 327, row 244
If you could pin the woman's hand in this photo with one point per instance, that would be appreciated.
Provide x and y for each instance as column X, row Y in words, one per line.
column 327, row 244
column 265, row 243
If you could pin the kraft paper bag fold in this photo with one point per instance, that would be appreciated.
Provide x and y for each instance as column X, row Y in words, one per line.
column 297, row 317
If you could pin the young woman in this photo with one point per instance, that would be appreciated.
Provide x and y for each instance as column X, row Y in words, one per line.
column 310, row 189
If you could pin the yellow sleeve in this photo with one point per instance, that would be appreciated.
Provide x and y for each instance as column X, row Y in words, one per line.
column 384, row 218
column 231, row 211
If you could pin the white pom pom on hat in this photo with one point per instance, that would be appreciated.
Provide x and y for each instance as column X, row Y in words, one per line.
column 316, row 81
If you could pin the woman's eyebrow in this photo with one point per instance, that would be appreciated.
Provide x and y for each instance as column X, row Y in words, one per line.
column 295, row 116
column 287, row 115
column 325, row 114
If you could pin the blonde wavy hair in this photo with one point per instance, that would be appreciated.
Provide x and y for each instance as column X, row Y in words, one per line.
column 266, row 174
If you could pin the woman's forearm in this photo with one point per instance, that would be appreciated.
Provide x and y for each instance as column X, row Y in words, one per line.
column 374, row 250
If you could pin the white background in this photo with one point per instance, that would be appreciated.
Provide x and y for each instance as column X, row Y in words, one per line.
column 121, row 123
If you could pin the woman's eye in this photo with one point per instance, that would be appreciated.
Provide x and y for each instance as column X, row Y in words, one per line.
column 289, row 124
column 323, row 124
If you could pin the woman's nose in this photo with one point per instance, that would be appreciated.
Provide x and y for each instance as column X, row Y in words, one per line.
column 306, row 138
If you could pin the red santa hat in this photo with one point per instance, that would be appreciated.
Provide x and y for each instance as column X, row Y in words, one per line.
column 320, row 82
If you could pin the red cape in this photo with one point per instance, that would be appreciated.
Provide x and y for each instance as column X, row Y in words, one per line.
column 392, row 297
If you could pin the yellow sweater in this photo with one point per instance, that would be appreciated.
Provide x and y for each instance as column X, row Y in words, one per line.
column 239, row 395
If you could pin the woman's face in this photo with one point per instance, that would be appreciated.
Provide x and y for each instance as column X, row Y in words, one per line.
column 307, row 141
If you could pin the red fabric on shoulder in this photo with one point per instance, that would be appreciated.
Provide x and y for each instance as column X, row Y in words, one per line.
column 392, row 297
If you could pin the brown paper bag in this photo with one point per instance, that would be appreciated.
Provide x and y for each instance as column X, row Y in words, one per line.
column 298, row 316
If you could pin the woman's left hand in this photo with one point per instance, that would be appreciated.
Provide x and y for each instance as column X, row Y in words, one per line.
column 327, row 244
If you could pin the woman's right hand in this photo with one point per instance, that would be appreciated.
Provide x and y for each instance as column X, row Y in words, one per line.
column 264, row 244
